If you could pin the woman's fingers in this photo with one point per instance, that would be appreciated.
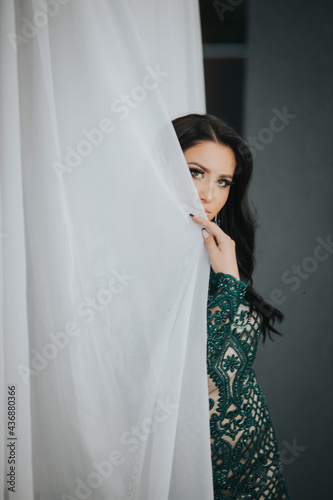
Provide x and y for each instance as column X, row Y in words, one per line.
column 221, row 248
column 210, row 242
column 216, row 231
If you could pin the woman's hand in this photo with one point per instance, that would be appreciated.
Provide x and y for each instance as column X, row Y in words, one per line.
column 221, row 248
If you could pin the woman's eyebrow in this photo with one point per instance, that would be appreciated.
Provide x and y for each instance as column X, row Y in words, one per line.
column 207, row 169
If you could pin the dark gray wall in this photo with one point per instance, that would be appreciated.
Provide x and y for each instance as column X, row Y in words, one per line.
column 290, row 66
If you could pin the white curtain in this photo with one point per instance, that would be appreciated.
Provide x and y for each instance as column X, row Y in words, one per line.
column 104, row 275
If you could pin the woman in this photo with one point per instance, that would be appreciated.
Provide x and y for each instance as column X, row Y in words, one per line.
column 245, row 456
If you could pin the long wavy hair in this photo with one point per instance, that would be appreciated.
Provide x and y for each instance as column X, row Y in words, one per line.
column 236, row 217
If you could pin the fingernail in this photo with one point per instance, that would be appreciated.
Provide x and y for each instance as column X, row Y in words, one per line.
column 191, row 215
column 205, row 233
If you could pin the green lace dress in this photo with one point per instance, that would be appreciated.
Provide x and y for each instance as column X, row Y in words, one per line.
column 245, row 456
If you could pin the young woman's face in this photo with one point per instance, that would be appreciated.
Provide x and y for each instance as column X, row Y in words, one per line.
column 212, row 167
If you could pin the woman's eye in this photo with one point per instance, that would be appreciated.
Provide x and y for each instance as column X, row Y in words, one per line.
column 195, row 172
column 226, row 183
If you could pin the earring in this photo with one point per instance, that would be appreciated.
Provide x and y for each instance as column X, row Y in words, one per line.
column 217, row 219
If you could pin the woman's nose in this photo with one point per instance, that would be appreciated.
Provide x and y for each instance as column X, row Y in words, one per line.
column 207, row 191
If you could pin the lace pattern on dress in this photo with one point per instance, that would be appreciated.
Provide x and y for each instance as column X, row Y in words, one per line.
column 245, row 456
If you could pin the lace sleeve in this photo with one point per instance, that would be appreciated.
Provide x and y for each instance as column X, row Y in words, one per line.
column 225, row 293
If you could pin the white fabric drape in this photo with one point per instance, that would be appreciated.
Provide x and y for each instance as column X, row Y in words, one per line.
column 104, row 275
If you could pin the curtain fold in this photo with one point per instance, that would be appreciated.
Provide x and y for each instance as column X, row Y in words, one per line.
column 104, row 274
